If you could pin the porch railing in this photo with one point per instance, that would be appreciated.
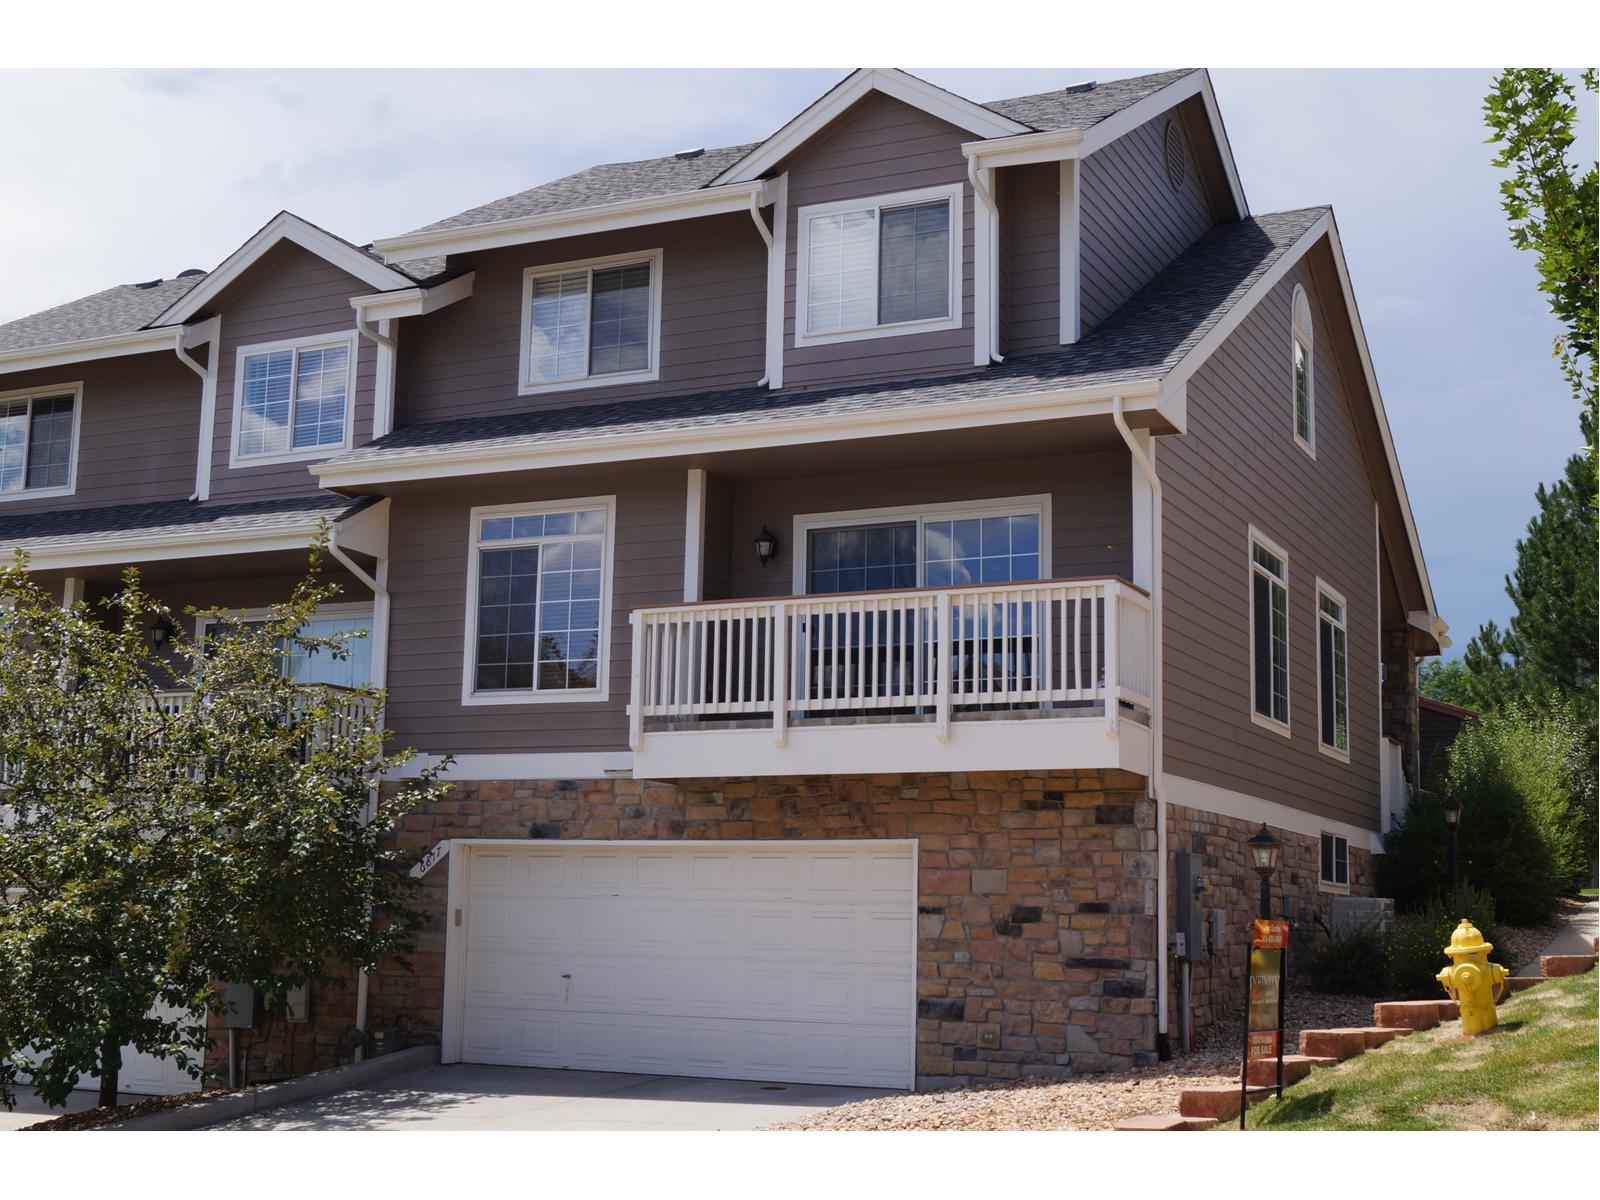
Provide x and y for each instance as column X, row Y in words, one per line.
column 933, row 653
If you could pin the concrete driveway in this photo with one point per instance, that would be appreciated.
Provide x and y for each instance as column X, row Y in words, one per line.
column 461, row 1096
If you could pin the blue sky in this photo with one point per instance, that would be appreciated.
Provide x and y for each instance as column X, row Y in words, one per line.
column 125, row 176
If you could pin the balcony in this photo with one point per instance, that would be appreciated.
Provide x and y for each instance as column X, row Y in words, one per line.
column 1019, row 676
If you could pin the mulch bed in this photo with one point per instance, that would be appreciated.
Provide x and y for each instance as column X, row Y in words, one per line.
column 93, row 1118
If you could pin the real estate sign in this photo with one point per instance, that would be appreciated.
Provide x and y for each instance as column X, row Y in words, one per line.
column 1263, row 1025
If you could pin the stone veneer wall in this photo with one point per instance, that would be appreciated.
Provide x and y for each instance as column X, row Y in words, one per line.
column 1217, row 984
column 1036, row 926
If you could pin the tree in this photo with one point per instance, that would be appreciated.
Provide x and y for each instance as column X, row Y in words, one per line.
column 154, row 847
column 1551, row 209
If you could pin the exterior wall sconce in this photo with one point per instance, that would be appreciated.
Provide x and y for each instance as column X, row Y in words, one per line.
column 766, row 545
column 161, row 632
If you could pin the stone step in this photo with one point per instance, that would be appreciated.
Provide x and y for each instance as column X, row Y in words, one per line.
column 1556, row 965
column 1337, row 1044
column 1521, row 983
column 1379, row 1035
column 1264, row 1071
column 1217, row 1103
column 1407, row 1014
column 1449, row 1010
column 1163, row 1122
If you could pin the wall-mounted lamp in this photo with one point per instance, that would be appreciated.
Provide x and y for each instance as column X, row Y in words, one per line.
column 766, row 545
column 161, row 632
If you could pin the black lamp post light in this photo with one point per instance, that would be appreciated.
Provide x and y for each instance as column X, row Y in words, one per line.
column 1452, row 823
column 1264, row 851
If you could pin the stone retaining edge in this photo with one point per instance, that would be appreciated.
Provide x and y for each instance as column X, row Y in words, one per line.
column 233, row 1105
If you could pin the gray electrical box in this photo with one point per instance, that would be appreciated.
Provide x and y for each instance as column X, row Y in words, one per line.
column 1187, row 919
column 241, row 1001
column 1217, row 919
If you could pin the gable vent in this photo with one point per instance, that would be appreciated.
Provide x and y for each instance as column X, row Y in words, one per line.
column 688, row 154
column 1172, row 154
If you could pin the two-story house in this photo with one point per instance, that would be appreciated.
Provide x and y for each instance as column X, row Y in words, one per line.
column 846, row 569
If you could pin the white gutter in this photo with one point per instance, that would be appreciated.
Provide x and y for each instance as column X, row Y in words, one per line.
column 985, row 197
column 371, row 334
column 205, row 377
column 766, row 236
column 1156, row 718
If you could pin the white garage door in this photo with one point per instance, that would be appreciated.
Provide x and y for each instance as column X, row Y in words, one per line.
column 790, row 961
column 147, row 1075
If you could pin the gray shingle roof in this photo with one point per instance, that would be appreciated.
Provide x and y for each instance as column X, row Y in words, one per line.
column 1142, row 340
column 126, row 308
column 90, row 527
column 1084, row 105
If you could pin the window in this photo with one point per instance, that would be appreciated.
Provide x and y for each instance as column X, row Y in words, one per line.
column 1335, row 860
column 538, row 602
column 315, row 664
column 1269, row 633
column 992, row 541
column 38, row 442
column 872, row 268
column 1304, row 398
column 590, row 323
column 293, row 400
column 1333, row 680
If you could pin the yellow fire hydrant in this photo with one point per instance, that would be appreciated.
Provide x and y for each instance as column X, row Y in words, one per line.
column 1471, row 980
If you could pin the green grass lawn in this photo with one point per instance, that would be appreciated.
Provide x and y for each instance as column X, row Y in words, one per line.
column 1589, row 893
column 1537, row 1070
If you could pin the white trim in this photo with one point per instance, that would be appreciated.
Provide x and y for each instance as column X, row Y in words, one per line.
column 598, row 218
column 1003, row 506
column 70, row 487
column 309, row 342
column 1304, row 340
column 953, row 193
column 1143, row 537
column 414, row 301
column 572, row 765
column 384, row 376
column 1256, row 537
column 1343, row 624
column 985, row 267
column 437, row 463
column 71, row 590
column 59, row 354
column 694, row 535
column 777, row 279
column 469, row 645
column 206, row 444
column 947, row 106
column 1333, row 885
column 283, row 227
column 168, row 546
column 526, row 385
column 1224, row 802
column 1070, row 253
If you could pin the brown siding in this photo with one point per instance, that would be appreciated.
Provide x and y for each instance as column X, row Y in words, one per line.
column 1132, row 222
column 1030, row 258
column 1239, row 464
column 428, row 538
column 879, row 146
column 463, row 360
column 137, row 434
column 1090, row 510
column 290, row 293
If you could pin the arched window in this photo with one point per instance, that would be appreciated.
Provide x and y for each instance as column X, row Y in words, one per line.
column 1304, row 400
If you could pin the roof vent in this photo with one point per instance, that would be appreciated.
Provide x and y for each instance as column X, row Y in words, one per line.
column 190, row 273
column 688, row 154
column 1080, row 87
column 154, row 283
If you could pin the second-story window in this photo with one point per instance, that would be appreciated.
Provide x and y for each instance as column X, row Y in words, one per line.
column 590, row 323
column 1305, row 413
column 293, row 399
column 1333, row 674
column 1269, row 633
column 38, row 442
column 873, row 268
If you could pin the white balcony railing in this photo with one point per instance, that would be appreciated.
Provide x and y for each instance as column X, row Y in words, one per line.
column 1055, row 648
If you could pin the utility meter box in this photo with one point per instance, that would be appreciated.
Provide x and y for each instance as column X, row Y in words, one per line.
column 1188, row 919
column 241, row 1001
column 297, row 1003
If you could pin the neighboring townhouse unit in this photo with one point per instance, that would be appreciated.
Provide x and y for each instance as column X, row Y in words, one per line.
column 847, row 571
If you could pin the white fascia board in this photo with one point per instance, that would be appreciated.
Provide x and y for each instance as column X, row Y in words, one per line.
column 599, row 218
column 947, row 106
column 142, row 341
column 432, row 463
column 414, row 302
column 284, row 227
column 139, row 550
column 1050, row 146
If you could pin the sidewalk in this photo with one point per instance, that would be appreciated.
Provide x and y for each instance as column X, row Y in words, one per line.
column 1575, row 937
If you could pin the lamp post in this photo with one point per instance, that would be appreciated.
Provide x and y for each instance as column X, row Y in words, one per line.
column 1264, row 850
column 1452, row 822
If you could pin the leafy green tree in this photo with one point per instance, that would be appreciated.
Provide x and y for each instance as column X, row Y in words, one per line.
column 151, row 848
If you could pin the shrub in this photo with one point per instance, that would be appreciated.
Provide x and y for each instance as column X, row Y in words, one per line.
column 1414, row 867
column 1355, row 962
column 1416, row 948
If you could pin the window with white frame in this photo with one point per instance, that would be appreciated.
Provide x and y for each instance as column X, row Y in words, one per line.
column 998, row 541
column 1269, row 631
column 590, row 323
column 881, row 266
column 1335, row 860
column 316, row 664
column 38, row 442
column 538, row 601
column 293, row 399
column 1305, row 429
column 1333, row 683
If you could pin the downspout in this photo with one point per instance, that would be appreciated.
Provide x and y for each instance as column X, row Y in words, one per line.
column 766, row 236
column 986, row 198
column 380, row 598
column 1156, row 718
column 189, row 361
column 371, row 334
